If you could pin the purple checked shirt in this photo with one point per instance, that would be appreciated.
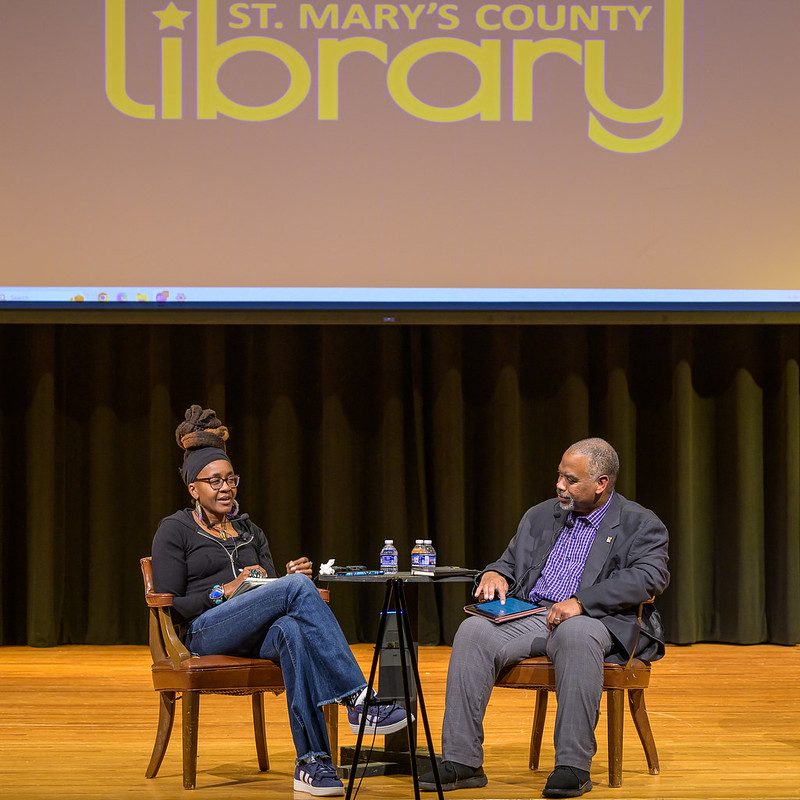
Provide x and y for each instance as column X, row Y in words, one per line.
column 562, row 573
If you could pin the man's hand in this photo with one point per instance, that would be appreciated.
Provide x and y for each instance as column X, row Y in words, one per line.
column 563, row 610
column 491, row 583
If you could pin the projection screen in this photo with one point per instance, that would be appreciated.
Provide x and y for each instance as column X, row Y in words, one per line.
column 489, row 155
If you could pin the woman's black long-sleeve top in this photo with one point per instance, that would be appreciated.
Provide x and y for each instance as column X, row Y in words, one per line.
column 188, row 562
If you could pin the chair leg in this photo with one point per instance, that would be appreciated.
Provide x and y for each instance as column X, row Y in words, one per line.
column 331, row 713
column 615, row 727
column 166, row 716
column 642, row 723
column 539, row 714
column 190, row 711
column 260, row 730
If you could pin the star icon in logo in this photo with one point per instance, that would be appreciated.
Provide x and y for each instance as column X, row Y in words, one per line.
column 171, row 17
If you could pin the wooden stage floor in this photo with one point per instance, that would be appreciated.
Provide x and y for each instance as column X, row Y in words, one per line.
column 78, row 722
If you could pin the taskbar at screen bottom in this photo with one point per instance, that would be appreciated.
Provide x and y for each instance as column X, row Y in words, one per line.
column 400, row 298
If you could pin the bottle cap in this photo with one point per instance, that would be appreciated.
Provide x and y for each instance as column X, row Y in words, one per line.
column 388, row 541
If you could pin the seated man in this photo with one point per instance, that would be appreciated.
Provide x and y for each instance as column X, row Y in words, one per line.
column 592, row 557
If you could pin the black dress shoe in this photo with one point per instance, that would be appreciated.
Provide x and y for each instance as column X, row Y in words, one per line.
column 567, row 782
column 453, row 775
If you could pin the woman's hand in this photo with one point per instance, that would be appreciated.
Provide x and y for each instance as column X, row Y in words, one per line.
column 302, row 565
column 230, row 588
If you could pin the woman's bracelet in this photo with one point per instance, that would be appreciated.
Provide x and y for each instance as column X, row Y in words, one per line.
column 217, row 595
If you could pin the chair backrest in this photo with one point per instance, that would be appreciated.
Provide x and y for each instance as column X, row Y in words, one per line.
column 638, row 629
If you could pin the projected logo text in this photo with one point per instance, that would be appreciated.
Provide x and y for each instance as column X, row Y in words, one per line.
column 323, row 75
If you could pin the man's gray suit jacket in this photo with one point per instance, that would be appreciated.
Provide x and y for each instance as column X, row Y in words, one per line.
column 626, row 564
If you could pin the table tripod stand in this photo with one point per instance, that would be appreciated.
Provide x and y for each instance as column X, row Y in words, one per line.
column 395, row 599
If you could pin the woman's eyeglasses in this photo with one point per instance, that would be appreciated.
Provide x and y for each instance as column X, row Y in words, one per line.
column 216, row 482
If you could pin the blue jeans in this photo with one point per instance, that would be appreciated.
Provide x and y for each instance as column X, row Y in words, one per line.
column 288, row 622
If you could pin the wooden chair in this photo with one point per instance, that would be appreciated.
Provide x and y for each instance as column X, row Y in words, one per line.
column 178, row 672
column 538, row 673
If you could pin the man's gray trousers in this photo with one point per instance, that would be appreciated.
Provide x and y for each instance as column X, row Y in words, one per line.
column 481, row 648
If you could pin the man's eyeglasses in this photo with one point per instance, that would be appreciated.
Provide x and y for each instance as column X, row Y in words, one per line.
column 216, row 482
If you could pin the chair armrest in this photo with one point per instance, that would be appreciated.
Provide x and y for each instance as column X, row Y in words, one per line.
column 164, row 639
column 156, row 600
column 153, row 598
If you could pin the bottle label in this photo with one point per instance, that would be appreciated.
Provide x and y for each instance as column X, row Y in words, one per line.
column 389, row 559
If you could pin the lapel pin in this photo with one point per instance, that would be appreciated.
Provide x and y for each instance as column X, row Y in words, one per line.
column 609, row 540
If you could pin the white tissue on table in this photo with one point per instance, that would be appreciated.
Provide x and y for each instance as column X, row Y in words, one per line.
column 327, row 567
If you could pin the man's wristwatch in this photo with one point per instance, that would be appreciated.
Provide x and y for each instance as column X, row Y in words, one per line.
column 217, row 595
column 578, row 602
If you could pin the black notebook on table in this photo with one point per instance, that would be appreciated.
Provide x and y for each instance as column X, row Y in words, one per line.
column 440, row 573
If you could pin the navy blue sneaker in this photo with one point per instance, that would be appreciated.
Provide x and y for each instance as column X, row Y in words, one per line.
column 318, row 776
column 383, row 719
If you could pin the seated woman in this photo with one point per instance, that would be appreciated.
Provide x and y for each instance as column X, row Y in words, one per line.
column 202, row 555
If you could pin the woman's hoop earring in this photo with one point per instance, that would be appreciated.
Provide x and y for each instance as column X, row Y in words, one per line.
column 198, row 511
column 234, row 510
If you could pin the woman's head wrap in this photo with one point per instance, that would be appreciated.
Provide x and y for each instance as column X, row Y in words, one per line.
column 197, row 460
column 202, row 436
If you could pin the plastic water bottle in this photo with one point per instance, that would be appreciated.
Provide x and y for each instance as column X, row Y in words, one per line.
column 431, row 554
column 417, row 555
column 423, row 556
column 389, row 557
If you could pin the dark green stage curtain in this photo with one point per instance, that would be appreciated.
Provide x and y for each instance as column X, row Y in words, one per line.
column 347, row 435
